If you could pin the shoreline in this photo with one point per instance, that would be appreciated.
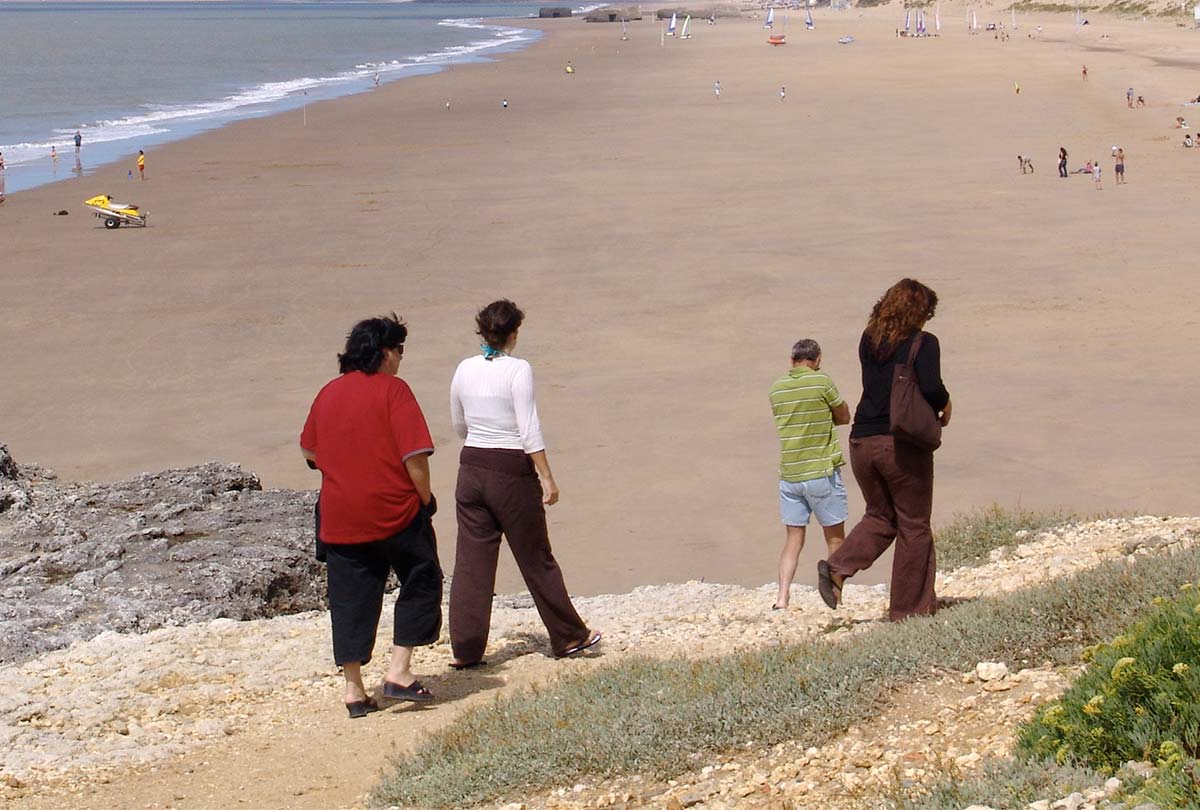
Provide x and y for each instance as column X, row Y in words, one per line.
column 198, row 117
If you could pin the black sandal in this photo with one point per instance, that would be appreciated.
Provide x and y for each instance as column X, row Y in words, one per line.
column 414, row 692
column 470, row 665
column 831, row 593
column 361, row 708
column 591, row 641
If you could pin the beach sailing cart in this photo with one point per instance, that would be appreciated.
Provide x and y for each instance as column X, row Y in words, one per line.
column 116, row 214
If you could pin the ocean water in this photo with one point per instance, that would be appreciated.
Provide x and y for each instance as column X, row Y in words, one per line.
column 130, row 75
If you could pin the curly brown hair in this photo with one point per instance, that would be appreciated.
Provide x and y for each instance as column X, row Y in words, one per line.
column 898, row 315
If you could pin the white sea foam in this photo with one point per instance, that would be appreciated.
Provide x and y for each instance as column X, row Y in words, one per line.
column 158, row 119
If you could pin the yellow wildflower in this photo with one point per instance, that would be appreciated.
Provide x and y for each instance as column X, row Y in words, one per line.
column 1180, row 669
column 1093, row 706
column 1119, row 668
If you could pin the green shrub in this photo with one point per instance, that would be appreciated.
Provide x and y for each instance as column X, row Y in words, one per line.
column 666, row 716
column 968, row 539
column 1139, row 698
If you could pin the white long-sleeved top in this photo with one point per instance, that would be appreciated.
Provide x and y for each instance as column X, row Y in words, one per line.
column 492, row 405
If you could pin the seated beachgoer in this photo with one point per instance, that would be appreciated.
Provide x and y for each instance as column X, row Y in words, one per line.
column 1188, row 142
column 1087, row 169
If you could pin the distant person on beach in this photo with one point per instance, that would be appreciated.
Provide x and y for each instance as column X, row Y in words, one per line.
column 1062, row 161
column 141, row 164
column 1180, row 123
column 1, row 177
column 504, row 104
column 782, row 93
column 1141, row 102
column 895, row 477
column 1017, row 88
column 1119, row 169
column 377, row 78
column 717, row 90
column 1096, row 175
column 54, row 155
column 78, row 140
column 570, row 69
column 366, row 434
column 806, row 405
column 1085, row 73
column 1188, row 143
column 492, row 407
column 1129, row 98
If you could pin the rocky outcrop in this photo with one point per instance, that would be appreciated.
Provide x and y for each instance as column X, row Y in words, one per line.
column 170, row 548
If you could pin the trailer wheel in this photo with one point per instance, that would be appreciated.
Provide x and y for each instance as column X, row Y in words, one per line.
column 112, row 222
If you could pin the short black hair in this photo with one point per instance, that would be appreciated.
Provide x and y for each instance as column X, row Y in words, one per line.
column 497, row 321
column 806, row 349
column 368, row 339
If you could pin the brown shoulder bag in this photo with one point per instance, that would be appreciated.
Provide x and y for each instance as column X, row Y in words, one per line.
column 913, row 418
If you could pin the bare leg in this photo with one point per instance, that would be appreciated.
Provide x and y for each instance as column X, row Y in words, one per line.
column 834, row 537
column 399, row 671
column 355, row 691
column 787, row 563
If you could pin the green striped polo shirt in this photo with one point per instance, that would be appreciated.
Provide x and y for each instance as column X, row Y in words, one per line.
column 801, row 401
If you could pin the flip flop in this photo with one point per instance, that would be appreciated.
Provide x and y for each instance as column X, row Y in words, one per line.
column 471, row 665
column 831, row 593
column 361, row 708
column 578, row 648
column 415, row 692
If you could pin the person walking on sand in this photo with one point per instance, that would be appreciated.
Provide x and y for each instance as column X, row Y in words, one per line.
column 782, row 93
column 1085, row 73
column 366, row 434
column 1119, row 168
column 806, row 406
column 894, row 475
column 78, row 140
column 492, row 407
column 1096, row 175
column 141, row 164
column 1129, row 98
column 1062, row 162
column 54, row 155
column 717, row 89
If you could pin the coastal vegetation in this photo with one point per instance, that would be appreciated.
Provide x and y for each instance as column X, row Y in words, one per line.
column 669, row 716
column 1134, row 714
column 968, row 539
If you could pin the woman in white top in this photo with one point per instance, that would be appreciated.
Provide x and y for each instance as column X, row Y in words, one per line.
column 498, row 492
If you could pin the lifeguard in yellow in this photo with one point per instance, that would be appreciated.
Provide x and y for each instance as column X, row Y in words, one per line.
column 141, row 164
column 570, row 68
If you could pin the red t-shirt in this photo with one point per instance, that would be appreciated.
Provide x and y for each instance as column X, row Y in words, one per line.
column 362, row 427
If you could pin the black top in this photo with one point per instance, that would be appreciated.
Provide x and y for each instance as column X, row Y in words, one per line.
column 873, row 415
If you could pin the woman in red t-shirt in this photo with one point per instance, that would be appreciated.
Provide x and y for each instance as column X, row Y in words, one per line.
column 366, row 434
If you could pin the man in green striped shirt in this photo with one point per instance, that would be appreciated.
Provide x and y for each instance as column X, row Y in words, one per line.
column 807, row 405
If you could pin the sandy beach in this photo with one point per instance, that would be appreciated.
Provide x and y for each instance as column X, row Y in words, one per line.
column 668, row 248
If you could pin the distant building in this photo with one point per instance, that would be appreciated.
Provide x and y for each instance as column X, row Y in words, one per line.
column 554, row 12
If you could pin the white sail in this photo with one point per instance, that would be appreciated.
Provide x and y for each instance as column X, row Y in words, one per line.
column 687, row 21
column 974, row 21
column 808, row 20
column 1014, row 17
column 770, row 18
column 671, row 27
column 937, row 20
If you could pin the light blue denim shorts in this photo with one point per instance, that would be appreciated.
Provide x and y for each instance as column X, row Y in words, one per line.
column 823, row 497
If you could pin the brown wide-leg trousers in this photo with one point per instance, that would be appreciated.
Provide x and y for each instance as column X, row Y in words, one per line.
column 896, row 479
column 498, row 493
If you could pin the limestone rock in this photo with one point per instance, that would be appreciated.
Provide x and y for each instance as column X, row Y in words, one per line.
column 181, row 546
column 991, row 671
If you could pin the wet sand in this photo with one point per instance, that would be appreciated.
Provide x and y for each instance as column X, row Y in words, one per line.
column 668, row 249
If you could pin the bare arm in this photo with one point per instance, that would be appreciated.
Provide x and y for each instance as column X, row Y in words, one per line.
column 549, row 488
column 841, row 414
column 945, row 415
column 418, row 471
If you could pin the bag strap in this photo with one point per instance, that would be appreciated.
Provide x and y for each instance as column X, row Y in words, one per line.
column 916, row 347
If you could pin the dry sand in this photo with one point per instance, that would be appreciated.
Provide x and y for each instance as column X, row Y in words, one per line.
column 668, row 248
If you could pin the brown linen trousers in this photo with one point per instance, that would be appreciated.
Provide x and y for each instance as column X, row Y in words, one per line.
column 896, row 480
column 498, row 493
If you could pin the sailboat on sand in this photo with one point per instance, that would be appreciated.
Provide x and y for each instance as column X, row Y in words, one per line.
column 770, row 23
column 808, row 20
column 687, row 24
column 671, row 26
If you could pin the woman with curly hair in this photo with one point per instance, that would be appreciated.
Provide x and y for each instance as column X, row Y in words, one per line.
column 895, row 477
